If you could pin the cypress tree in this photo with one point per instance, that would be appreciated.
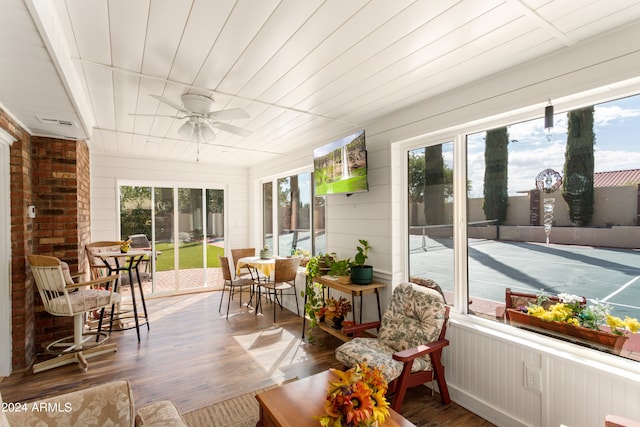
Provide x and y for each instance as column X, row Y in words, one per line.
column 577, row 188
column 496, row 160
column 434, row 185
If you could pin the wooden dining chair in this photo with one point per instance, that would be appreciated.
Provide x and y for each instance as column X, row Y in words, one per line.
column 245, row 271
column 234, row 285
column 284, row 279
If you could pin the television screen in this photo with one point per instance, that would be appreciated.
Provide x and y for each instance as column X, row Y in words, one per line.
column 341, row 166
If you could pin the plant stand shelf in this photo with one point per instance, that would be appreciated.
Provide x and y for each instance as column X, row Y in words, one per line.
column 350, row 289
column 338, row 332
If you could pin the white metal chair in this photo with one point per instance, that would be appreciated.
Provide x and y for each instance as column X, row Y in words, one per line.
column 62, row 297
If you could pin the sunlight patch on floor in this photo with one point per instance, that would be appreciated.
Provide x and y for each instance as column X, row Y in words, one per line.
column 272, row 349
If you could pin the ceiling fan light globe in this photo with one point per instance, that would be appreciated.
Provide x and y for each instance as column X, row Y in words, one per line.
column 186, row 131
column 206, row 133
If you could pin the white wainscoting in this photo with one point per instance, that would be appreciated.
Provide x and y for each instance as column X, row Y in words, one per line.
column 485, row 373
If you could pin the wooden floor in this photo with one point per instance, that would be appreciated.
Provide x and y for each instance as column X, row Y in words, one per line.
column 195, row 357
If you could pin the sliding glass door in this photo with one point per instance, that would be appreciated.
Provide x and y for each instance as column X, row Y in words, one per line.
column 185, row 227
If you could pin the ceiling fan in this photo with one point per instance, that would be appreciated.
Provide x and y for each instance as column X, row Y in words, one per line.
column 202, row 120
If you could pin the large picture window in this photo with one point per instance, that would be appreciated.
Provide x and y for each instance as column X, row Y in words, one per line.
column 550, row 208
column 430, row 181
column 556, row 209
column 300, row 215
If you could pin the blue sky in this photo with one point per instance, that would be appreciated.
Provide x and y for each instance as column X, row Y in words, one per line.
column 617, row 129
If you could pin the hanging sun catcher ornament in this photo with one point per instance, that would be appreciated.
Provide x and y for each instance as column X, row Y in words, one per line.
column 548, row 180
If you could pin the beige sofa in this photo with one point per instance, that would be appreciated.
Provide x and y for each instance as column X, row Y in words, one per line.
column 104, row 404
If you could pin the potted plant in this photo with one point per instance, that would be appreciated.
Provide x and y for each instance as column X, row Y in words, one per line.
column 361, row 274
column 304, row 254
column 325, row 262
column 265, row 252
column 313, row 294
column 336, row 309
column 342, row 270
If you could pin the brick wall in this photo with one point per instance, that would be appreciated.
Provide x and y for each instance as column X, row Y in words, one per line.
column 53, row 175
column 60, row 193
column 22, row 289
column 84, row 203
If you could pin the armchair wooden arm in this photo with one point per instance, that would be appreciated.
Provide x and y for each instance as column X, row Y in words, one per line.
column 419, row 351
column 408, row 379
column 95, row 282
column 358, row 329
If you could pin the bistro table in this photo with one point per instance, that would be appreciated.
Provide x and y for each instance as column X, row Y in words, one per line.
column 127, row 262
column 264, row 266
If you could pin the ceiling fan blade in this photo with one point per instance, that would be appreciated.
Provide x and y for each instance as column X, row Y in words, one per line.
column 170, row 103
column 231, row 128
column 231, row 114
column 157, row 115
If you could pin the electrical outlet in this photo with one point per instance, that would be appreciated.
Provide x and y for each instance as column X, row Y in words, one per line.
column 532, row 378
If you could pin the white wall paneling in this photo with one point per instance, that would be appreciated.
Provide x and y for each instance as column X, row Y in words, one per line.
column 5, row 256
column 107, row 171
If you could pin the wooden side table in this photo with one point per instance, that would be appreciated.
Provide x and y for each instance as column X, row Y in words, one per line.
column 297, row 403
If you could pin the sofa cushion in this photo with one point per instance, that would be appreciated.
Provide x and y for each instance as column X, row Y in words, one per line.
column 109, row 404
column 3, row 417
column 376, row 353
column 163, row 413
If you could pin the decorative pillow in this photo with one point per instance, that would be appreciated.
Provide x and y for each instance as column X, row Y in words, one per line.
column 415, row 316
column 66, row 273
column 428, row 283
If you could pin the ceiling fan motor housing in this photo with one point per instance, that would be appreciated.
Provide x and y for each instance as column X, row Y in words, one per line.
column 197, row 103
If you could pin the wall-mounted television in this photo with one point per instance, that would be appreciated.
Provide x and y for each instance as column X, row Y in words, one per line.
column 340, row 167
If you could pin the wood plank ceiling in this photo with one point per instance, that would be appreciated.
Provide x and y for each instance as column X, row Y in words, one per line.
column 305, row 71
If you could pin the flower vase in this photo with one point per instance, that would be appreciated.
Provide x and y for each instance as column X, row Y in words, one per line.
column 337, row 322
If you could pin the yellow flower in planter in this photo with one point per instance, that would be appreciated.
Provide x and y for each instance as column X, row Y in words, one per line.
column 574, row 311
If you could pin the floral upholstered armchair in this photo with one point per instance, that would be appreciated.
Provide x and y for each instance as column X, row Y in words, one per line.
column 108, row 404
column 409, row 345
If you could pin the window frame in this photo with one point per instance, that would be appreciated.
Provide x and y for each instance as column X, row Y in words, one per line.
column 460, row 314
column 275, row 208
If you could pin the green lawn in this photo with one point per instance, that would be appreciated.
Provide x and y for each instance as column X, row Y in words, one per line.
column 190, row 255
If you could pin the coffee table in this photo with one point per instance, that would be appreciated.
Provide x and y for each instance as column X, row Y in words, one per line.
column 296, row 403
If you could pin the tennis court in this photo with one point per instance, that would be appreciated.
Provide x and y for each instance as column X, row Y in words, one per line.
column 609, row 274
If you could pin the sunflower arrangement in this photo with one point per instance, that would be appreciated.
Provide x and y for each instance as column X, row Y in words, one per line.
column 356, row 399
column 573, row 310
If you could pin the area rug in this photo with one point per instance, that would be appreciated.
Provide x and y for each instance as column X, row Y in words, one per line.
column 240, row 411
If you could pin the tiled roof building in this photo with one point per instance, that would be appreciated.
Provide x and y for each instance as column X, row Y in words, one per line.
column 616, row 178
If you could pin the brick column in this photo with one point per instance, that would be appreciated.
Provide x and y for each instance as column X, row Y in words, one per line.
column 22, row 289
column 53, row 175
column 61, row 229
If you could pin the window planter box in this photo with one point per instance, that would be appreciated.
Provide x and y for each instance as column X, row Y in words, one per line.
column 600, row 340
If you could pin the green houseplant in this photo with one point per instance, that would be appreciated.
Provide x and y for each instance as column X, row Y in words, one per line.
column 336, row 310
column 361, row 274
column 313, row 294
column 342, row 270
